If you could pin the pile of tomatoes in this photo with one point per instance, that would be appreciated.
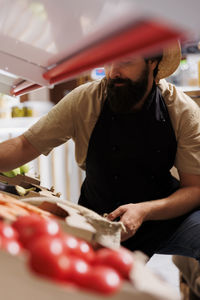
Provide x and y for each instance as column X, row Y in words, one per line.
column 65, row 258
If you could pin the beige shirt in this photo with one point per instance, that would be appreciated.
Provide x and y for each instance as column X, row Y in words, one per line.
column 76, row 115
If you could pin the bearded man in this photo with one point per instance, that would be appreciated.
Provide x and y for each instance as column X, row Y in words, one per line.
column 130, row 129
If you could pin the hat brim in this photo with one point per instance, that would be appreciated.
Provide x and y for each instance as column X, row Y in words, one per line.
column 170, row 61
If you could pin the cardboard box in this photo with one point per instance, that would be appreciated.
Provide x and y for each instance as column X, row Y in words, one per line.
column 81, row 221
column 29, row 182
column 19, row 283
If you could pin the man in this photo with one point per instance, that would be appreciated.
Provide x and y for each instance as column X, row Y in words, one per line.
column 129, row 131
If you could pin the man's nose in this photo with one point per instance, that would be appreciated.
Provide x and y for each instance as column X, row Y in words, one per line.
column 114, row 71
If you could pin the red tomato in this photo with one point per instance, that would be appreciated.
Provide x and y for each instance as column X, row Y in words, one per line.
column 70, row 243
column 47, row 258
column 121, row 260
column 8, row 232
column 86, row 251
column 79, row 271
column 34, row 226
column 12, row 246
column 104, row 280
column 79, row 248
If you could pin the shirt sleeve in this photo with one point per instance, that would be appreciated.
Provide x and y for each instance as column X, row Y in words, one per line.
column 185, row 117
column 188, row 139
column 55, row 128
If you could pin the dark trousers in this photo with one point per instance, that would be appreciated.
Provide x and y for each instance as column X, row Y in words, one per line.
column 182, row 238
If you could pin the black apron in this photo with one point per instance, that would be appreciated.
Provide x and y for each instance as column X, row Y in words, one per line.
column 128, row 161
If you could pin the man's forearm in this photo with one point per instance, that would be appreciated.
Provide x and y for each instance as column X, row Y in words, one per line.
column 16, row 152
column 182, row 201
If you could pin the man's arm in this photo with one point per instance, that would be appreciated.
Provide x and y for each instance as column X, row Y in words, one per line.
column 182, row 201
column 16, row 152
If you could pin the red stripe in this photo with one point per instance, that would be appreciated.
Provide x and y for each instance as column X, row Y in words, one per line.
column 145, row 37
column 25, row 90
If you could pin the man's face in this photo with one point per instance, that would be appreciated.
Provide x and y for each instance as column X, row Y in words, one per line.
column 127, row 84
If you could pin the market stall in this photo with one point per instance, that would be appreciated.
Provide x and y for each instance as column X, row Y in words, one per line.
column 37, row 51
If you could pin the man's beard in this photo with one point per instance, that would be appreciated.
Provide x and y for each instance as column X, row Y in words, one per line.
column 122, row 99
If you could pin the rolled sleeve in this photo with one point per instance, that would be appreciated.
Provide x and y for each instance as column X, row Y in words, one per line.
column 55, row 128
column 185, row 117
column 188, row 150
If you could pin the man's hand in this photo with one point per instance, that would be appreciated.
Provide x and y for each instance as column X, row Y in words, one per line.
column 132, row 216
column 179, row 203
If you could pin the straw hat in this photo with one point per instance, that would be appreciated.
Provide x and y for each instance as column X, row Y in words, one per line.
column 170, row 61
